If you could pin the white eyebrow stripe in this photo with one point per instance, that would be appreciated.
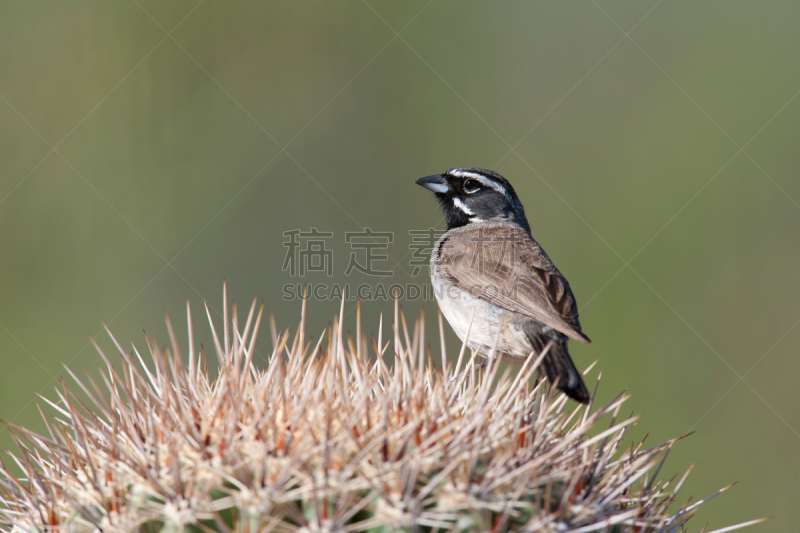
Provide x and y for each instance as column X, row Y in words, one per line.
column 461, row 205
column 466, row 174
column 481, row 178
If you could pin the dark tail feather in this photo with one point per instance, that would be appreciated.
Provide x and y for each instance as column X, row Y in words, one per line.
column 559, row 369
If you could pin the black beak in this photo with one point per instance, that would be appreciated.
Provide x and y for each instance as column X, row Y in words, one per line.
column 436, row 183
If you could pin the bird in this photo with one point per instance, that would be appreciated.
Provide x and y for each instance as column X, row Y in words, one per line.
column 495, row 285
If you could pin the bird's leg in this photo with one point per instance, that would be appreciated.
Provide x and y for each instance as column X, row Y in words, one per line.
column 539, row 376
column 482, row 364
column 477, row 367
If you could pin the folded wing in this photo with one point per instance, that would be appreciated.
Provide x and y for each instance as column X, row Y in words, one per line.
column 502, row 264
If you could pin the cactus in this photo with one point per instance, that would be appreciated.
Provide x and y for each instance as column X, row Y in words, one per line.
column 330, row 438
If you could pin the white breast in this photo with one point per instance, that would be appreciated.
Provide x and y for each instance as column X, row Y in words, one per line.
column 491, row 325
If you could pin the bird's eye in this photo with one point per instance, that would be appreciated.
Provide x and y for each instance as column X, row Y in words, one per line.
column 471, row 186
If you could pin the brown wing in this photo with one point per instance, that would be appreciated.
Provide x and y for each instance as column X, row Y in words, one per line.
column 502, row 264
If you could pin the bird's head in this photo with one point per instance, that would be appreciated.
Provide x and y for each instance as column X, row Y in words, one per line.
column 470, row 195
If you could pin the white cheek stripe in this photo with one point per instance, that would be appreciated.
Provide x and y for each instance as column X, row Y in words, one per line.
column 481, row 178
column 461, row 205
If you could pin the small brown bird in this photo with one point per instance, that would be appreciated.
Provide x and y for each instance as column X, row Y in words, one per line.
column 487, row 270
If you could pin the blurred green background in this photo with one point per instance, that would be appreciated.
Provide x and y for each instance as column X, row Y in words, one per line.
column 152, row 149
